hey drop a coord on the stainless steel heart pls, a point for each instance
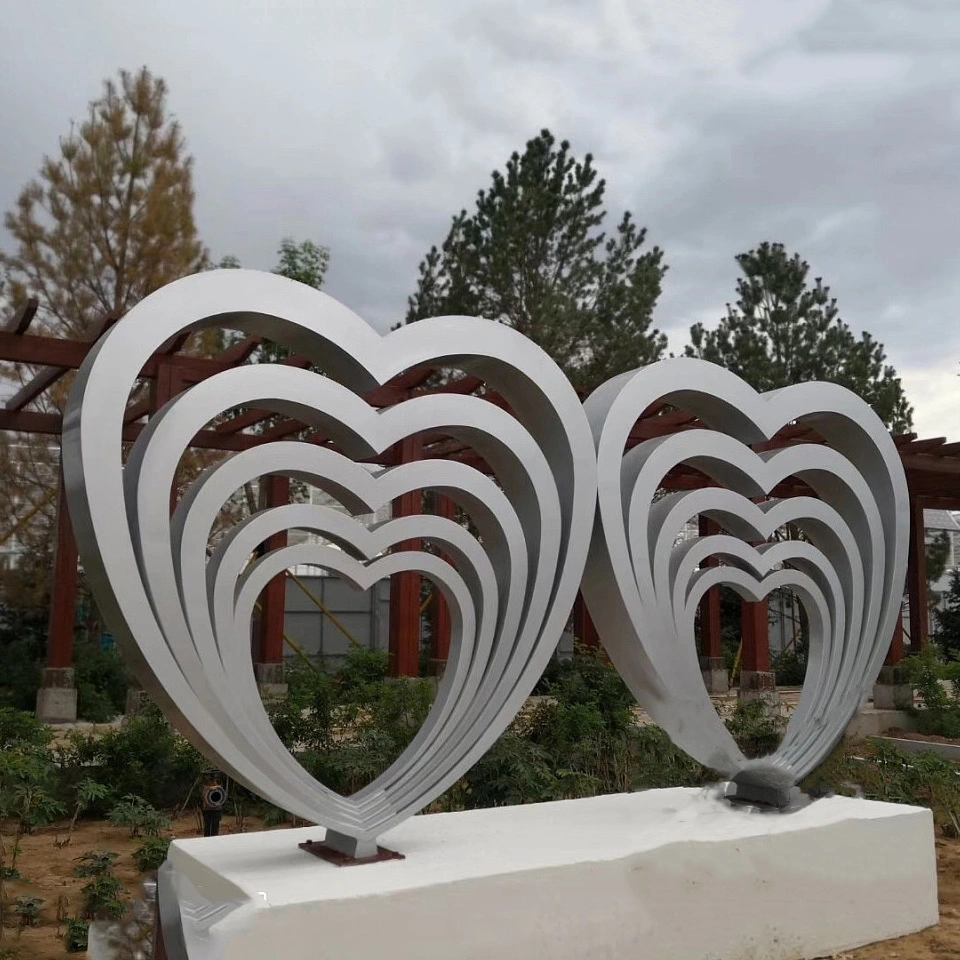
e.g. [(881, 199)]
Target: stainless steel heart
[(183, 620), (642, 586)]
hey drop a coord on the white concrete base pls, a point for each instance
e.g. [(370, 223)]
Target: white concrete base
[(57, 704), (662, 875)]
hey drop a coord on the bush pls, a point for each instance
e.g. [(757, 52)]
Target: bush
[(940, 715), (95, 863), (790, 667), (151, 853), (75, 939), (144, 757), (134, 812), (102, 680), (104, 898), (757, 732)]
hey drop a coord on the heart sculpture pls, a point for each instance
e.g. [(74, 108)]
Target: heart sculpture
[(183, 620), (643, 581)]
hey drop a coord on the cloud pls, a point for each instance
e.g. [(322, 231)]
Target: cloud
[(830, 126)]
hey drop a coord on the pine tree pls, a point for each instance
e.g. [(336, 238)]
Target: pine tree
[(948, 619), (108, 220), (783, 330), (533, 255)]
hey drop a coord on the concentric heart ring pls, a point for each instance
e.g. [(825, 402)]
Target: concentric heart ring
[(183, 619), (642, 586)]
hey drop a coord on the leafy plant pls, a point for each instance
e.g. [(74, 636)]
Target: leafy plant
[(28, 910), (103, 898), (757, 732), (134, 812), (95, 863), (941, 706), (85, 794), (151, 853), (75, 938)]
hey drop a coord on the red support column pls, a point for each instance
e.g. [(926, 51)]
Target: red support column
[(895, 653), (405, 587), (893, 689), (584, 630), (711, 654), (445, 507), (756, 677), (269, 662), (917, 578), (57, 696)]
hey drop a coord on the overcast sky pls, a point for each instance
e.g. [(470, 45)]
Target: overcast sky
[(830, 125)]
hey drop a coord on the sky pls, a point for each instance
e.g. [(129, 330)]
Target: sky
[(832, 126)]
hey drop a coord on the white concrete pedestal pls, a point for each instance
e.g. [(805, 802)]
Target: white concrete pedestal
[(662, 875)]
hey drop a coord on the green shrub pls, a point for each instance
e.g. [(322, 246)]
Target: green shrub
[(941, 707), (790, 667), (27, 909), (757, 732), (75, 938), (95, 863), (102, 680), (144, 756), (104, 898), (134, 812), (151, 853)]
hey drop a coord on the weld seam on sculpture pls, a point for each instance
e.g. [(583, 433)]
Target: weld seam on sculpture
[(181, 621)]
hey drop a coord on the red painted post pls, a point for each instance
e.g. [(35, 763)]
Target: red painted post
[(272, 606), (445, 507), (584, 629), (405, 587), (895, 653), (63, 596), (710, 648), (57, 696), (755, 630), (917, 578)]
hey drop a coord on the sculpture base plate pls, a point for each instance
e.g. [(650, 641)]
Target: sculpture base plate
[(340, 859), (663, 874)]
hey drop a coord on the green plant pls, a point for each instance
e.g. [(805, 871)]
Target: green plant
[(85, 794), (28, 910), (102, 680), (757, 732), (134, 812), (790, 667), (103, 898), (151, 853), (95, 863), (75, 938), (145, 757), (941, 706)]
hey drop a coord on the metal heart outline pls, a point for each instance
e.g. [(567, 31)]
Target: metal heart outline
[(357, 357), (870, 493)]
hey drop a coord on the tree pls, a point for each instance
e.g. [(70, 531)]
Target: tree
[(948, 619), (533, 255), (108, 220), (111, 219), (783, 330)]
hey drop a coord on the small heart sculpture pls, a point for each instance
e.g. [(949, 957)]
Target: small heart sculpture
[(642, 586), (183, 621)]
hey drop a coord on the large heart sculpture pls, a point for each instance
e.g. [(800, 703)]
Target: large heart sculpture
[(183, 620), (643, 582)]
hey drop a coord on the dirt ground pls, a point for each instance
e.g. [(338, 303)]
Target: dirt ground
[(49, 870)]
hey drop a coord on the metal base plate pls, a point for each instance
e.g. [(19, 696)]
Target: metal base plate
[(339, 859)]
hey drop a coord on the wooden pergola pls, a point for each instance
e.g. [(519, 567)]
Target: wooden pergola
[(932, 467)]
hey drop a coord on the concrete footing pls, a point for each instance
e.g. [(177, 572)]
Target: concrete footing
[(715, 676), (675, 873), (270, 681), (57, 696), (759, 685), (893, 690)]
